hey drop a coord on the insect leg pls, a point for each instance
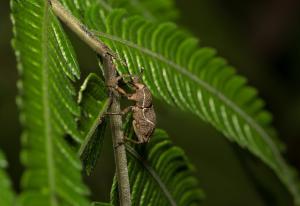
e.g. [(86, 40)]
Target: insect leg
[(118, 89), (126, 139), (123, 112), (121, 91), (135, 128), (119, 144), (132, 141)]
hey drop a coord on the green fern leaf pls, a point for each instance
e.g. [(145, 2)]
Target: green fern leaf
[(160, 174), (93, 101), (193, 79), (6, 195), (152, 10), (47, 63)]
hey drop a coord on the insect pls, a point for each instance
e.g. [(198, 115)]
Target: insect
[(144, 117)]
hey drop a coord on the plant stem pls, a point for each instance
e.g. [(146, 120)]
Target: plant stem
[(80, 29), (110, 74), (117, 134)]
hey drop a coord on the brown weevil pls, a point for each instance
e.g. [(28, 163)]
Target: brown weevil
[(144, 117)]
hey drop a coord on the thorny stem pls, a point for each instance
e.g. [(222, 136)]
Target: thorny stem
[(110, 74)]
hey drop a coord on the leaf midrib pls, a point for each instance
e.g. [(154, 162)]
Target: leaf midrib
[(214, 92), (153, 174), (46, 108)]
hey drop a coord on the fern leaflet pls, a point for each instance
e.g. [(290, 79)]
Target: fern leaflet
[(152, 10), (7, 195)]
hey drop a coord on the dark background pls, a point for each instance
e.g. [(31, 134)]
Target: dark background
[(261, 38)]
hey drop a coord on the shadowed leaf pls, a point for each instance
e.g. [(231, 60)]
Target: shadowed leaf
[(93, 101)]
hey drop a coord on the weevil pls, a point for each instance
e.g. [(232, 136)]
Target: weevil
[(144, 117)]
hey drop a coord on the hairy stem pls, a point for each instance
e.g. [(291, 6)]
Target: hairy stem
[(110, 74)]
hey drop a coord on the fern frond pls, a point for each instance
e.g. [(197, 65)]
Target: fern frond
[(93, 101), (194, 79), (7, 194), (47, 63), (160, 174)]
